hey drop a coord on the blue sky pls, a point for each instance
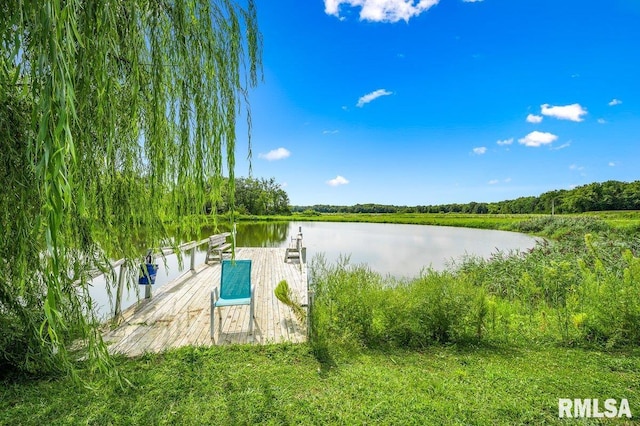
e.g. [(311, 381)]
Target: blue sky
[(431, 102)]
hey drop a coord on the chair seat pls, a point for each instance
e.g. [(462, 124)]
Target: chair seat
[(232, 302)]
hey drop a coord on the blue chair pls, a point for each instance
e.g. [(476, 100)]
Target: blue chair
[(235, 289)]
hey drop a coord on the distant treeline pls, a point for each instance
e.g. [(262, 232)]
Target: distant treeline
[(610, 195), (254, 197)]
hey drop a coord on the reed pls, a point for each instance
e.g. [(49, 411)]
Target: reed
[(581, 289), (284, 294)]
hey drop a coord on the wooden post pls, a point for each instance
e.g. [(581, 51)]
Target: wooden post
[(310, 300), (149, 258), (193, 258), (299, 239), (147, 291), (302, 251), (118, 308)]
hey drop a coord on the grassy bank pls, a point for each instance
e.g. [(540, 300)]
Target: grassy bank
[(582, 288), (503, 222), (485, 342), (506, 222), (285, 384)]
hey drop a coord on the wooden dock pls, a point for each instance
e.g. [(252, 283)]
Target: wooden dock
[(178, 313)]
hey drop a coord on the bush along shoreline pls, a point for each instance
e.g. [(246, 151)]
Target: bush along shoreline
[(581, 288)]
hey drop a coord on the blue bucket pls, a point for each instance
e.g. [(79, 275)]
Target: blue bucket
[(149, 274)]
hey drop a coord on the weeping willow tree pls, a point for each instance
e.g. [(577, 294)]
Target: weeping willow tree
[(115, 115)]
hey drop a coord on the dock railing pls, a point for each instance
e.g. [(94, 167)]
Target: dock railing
[(125, 264), (122, 264), (296, 250)]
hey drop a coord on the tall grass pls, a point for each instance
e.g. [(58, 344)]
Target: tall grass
[(356, 307), (582, 288)]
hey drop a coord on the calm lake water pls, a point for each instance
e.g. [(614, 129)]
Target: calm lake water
[(404, 250), (398, 250)]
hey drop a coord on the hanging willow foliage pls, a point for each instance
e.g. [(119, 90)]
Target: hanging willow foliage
[(115, 115)]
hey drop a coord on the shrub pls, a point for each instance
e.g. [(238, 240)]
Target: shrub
[(344, 301), (569, 291), (609, 299), (433, 308), (559, 226), (355, 307)]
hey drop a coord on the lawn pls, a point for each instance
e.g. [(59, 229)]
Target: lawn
[(285, 384)]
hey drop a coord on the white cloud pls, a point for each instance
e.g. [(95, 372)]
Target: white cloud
[(480, 150), (471, 1), (337, 181), (496, 181), (602, 121), (612, 164), (330, 132), (381, 10), (577, 168), (532, 118), (332, 7), (563, 146), (372, 96), (505, 142), (536, 139), (573, 112), (615, 102), (276, 154)]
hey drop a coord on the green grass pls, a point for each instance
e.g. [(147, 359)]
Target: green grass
[(582, 288), (619, 219), (483, 343), (285, 384), (444, 219), (507, 222)]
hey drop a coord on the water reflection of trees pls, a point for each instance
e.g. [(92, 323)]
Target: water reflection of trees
[(256, 234), (266, 234)]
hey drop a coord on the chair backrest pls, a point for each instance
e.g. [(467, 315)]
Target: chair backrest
[(217, 240), (235, 280)]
